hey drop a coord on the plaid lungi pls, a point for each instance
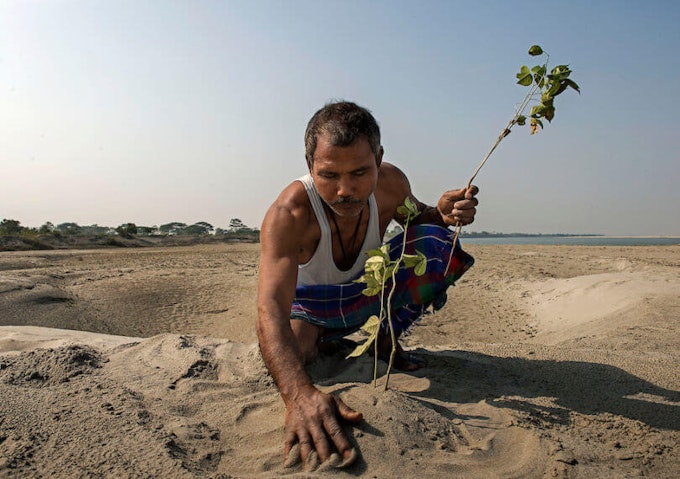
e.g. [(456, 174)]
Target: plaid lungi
[(342, 308)]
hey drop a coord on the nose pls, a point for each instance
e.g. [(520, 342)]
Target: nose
[(345, 187)]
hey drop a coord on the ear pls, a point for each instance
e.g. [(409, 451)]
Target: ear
[(379, 156), (309, 164)]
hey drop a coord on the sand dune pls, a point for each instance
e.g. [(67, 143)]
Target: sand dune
[(546, 362)]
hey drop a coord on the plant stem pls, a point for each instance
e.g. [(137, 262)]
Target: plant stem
[(389, 304), (506, 131), (375, 344)]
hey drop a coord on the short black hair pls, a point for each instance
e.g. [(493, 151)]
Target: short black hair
[(344, 122)]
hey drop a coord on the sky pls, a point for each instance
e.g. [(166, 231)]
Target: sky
[(153, 111)]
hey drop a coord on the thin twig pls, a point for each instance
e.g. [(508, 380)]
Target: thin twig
[(506, 131)]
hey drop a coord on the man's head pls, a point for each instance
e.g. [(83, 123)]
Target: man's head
[(342, 123)]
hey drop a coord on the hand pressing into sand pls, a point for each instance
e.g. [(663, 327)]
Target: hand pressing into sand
[(311, 419)]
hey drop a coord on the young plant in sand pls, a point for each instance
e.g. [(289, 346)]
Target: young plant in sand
[(543, 88), (378, 270)]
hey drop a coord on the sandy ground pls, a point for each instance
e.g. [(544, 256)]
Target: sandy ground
[(547, 361)]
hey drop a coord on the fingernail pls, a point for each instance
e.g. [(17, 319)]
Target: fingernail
[(351, 456), (331, 463)]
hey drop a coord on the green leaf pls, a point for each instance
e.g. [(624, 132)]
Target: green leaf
[(537, 110), (371, 291), (421, 267), (549, 113), (554, 88), (410, 260), (361, 348), (571, 84), (524, 77), (521, 120), (374, 263), (403, 211), (412, 208), (371, 325), (535, 50)]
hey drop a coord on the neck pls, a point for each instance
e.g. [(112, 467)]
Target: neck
[(347, 250)]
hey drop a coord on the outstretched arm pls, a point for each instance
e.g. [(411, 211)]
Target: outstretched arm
[(312, 417)]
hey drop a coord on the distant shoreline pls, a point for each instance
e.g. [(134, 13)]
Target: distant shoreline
[(49, 242), (566, 240)]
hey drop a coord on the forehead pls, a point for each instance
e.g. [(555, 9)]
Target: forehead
[(355, 155)]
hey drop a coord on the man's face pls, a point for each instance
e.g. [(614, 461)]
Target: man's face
[(345, 176)]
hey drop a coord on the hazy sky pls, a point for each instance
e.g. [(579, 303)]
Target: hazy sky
[(156, 111)]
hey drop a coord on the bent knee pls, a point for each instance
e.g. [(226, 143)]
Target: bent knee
[(307, 337)]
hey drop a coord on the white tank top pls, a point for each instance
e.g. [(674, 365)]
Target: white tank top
[(321, 269)]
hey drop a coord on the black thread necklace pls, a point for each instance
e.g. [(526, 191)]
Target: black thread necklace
[(354, 235)]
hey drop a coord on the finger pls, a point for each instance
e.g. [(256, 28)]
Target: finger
[(306, 448), (349, 459), (292, 457), (471, 191), (339, 438), (465, 204), (312, 462), (332, 462), (347, 413), (290, 444), (320, 444)]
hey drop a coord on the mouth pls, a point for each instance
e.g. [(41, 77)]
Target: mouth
[(347, 208)]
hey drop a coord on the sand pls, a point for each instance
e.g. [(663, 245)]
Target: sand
[(547, 361)]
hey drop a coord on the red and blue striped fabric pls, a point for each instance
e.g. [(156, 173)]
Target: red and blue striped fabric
[(342, 308)]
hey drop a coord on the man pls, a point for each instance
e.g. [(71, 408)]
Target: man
[(315, 234)]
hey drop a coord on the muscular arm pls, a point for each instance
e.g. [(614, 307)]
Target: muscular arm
[(311, 416), (276, 291)]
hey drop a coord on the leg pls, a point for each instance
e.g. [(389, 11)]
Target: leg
[(307, 336)]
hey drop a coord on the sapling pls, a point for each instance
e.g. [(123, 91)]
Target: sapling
[(543, 88), (379, 268)]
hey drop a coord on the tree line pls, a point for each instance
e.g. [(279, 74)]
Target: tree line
[(236, 229)]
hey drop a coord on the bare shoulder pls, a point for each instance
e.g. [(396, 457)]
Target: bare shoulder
[(393, 188), (286, 225), (393, 185), (290, 209)]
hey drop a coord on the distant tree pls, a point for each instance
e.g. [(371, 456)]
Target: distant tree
[(10, 227), (198, 229), (47, 228), (174, 228), (69, 228), (147, 230), (206, 225), (235, 224), (219, 231), (95, 230), (126, 230)]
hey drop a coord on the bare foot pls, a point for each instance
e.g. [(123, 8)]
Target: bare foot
[(403, 361)]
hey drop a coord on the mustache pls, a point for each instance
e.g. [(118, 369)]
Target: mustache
[(346, 200)]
